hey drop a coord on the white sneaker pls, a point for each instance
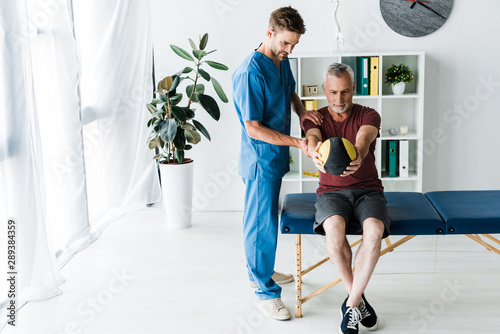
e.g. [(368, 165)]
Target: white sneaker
[(274, 308), (279, 278)]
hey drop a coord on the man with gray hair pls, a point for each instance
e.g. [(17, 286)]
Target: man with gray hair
[(356, 193)]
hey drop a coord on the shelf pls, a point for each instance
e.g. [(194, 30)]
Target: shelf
[(403, 96), (309, 178), (298, 176), (411, 177), (395, 111), (309, 98), (367, 97), (409, 136), (292, 176)]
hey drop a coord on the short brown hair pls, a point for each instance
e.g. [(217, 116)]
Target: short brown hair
[(287, 18)]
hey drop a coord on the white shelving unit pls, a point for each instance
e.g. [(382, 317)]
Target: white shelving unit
[(395, 111)]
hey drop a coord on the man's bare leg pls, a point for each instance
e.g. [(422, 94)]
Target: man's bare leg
[(339, 251), (366, 258)]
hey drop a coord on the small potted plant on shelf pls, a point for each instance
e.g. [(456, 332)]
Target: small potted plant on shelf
[(174, 129), (397, 77)]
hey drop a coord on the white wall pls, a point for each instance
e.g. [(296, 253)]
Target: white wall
[(461, 110)]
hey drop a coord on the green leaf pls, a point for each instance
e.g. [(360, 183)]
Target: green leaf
[(187, 70), (178, 113), (156, 125), (189, 112), (188, 147), (209, 52), (150, 122), (188, 126), (181, 52), (163, 98), (204, 74), (152, 136), (179, 155), (151, 108), (199, 54), (208, 103), (192, 135), (168, 129), (155, 102), (157, 113), (217, 65), (202, 129), (203, 42), (176, 98), (180, 139), (192, 44), (219, 90), (200, 89), (175, 82)]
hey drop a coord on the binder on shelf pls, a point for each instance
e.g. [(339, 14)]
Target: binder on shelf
[(403, 158), (311, 104), (363, 80), (392, 158), (374, 75)]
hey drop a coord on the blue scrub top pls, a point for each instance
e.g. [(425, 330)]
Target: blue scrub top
[(262, 93)]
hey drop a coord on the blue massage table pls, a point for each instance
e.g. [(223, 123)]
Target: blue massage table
[(434, 213)]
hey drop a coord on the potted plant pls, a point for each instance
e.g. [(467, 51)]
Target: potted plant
[(174, 128), (397, 77)]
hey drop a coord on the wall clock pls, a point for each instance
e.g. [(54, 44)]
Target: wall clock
[(415, 18)]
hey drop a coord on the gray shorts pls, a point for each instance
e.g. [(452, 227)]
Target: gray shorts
[(355, 206)]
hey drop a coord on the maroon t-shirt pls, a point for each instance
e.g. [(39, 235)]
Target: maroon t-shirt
[(366, 177)]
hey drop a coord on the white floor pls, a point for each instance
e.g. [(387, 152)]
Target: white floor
[(140, 277)]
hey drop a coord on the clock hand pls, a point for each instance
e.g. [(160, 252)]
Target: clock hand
[(432, 10), (415, 2)]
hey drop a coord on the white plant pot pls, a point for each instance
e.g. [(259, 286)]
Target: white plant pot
[(177, 193), (399, 88)]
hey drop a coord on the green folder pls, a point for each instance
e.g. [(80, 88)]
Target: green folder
[(362, 75), (392, 158)]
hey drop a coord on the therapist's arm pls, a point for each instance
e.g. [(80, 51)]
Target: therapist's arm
[(257, 131), (298, 107)]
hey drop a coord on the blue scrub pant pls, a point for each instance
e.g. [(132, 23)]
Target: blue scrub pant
[(260, 234)]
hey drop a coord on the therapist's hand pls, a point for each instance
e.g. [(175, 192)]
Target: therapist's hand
[(312, 115), (302, 145), (315, 156)]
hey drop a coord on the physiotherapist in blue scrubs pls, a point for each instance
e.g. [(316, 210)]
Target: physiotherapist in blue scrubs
[(264, 95)]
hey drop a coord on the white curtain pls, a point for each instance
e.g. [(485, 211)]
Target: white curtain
[(73, 154), (115, 41), (56, 82), (22, 188)]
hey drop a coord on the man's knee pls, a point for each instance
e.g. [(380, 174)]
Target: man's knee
[(335, 229), (373, 230), (334, 225)]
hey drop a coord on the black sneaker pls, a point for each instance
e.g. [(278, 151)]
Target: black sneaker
[(368, 317), (350, 319)]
